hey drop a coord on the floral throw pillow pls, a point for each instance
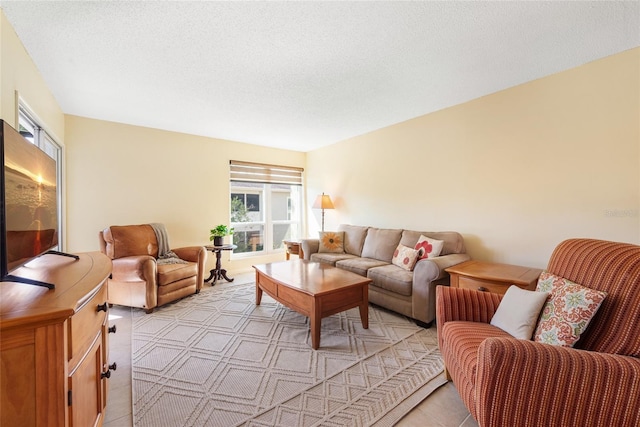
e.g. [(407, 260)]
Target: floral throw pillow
[(428, 248), (567, 312), (331, 242), (405, 257)]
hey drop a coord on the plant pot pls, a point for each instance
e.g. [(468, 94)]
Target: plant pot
[(218, 240)]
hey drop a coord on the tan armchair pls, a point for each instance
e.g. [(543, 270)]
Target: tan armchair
[(505, 381), (137, 279)]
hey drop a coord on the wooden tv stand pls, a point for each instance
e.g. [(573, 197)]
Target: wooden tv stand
[(54, 343)]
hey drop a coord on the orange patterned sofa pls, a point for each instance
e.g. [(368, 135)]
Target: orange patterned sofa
[(504, 381)]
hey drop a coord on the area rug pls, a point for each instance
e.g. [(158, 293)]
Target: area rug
[(217, 359)]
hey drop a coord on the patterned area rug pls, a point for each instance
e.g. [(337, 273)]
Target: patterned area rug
[(217, 359)]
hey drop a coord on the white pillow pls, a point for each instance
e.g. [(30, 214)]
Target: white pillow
[(518, 312), (428, 247)]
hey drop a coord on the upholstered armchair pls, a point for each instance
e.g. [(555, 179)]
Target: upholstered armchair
[(138, 278), (505, 381)]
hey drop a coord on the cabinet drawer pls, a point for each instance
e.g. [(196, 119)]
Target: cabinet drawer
[(268, 285), (482, 285), (298, 301), (85, 324)]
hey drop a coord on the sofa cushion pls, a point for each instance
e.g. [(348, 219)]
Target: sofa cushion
[(405, 257), (354, 236), (392, 278), (518, 312), (453, 241), (380, 243), (169, 273), (613, 268), (329, 258), (428, 247), (331, 242), (359, 265), (568, 312)]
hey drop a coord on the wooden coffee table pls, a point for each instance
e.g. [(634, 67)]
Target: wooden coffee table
[(313, 289)]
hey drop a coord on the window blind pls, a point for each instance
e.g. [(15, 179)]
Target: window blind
[(263, 173)]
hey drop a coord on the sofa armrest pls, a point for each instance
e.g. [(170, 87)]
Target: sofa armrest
[(309, 246), (430, 269), (425, 274), (464, 304), (134, 269), (544, 385), (197, 254), (447, 261)]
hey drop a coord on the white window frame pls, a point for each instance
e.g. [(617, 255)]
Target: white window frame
[(266, 221)]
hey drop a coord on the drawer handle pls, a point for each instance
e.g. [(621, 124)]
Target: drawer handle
[(106, 374), (482, 289), (102, 307), (112, 329), (113, 366)]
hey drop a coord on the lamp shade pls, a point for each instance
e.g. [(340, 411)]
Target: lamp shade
[(323, 201)]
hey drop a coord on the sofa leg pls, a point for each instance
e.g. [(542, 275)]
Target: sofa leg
[(447, 375), (423, 324)]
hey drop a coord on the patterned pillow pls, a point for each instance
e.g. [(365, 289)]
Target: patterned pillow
[(405, 257), (567, 312), (331, 242), (428, 248)]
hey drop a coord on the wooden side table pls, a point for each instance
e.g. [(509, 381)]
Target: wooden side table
[(219, 273), (492, 277), (293, 247)]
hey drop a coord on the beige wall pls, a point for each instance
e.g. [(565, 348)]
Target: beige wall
[(515, 172), (120, 174), (18, 74)]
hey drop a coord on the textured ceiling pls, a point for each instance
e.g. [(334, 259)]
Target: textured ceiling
[(301, 75)]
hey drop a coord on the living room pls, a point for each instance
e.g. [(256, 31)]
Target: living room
[(515, 171)]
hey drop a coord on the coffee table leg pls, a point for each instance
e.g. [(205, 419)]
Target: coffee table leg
[(258, 290), (364, 307), (364, 315), (315, 321)]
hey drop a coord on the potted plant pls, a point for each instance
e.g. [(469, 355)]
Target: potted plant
[(217, 234)]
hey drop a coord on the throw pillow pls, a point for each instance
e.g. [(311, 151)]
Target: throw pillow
[(518, 312), (331, 242), (428, 248), (568, 312), (405, 257)]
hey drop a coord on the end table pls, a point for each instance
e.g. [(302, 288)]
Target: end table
[(293, 247), (492, 277), (219, 272)]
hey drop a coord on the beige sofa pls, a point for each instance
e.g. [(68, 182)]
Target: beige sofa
[(369, 251)]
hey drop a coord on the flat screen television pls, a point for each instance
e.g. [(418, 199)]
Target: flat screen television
[(28, 204)]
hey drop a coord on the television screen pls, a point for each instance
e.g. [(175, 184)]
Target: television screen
[(29, 203)]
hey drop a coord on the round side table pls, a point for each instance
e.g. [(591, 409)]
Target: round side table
[(219, 273)]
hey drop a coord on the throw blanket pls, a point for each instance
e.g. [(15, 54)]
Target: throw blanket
[(165, 255)]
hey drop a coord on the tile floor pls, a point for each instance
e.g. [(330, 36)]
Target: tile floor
[(443, 408)]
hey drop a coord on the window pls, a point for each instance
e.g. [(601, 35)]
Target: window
[(32, 131), (249, 201), (266, 206)]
